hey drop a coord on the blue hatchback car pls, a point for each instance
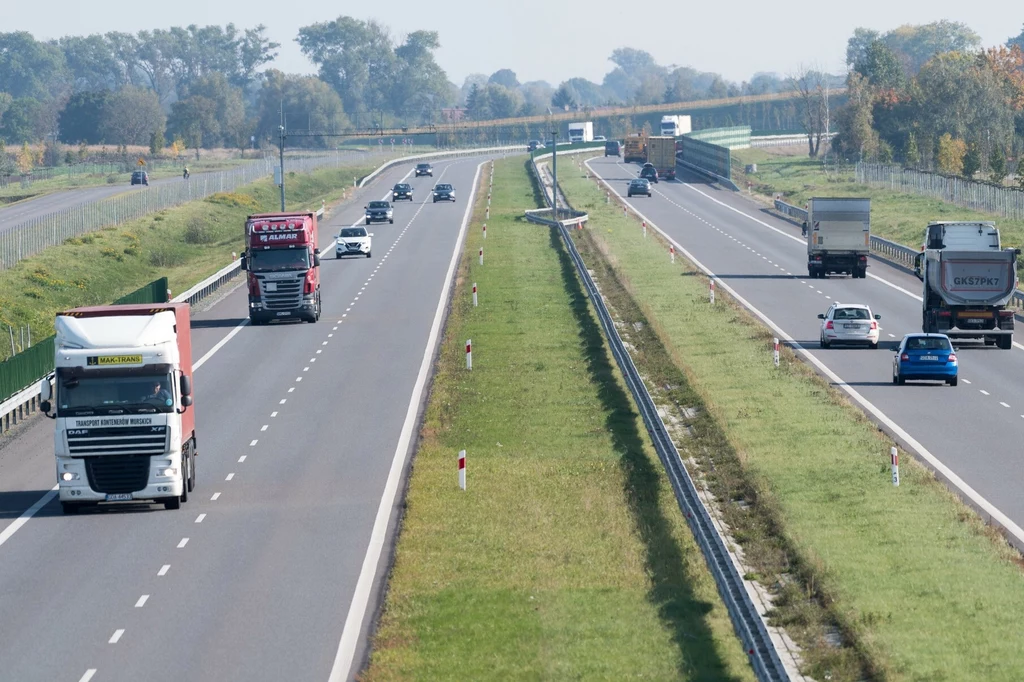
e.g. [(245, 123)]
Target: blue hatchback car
[(925, 357)]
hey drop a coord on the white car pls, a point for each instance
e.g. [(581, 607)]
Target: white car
[(600, 138), (353, 241), (850, 323)]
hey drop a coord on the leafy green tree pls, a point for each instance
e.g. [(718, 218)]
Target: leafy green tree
[(27, 119), (911, 154), (881, 66), (565, 97), (505, 78), (81, 119), (421, 86), (919, 44), (950, 157), (1018, 40), (131, 115), (92, 63), (32, 69), (971, 162), (157, 142), (215, 108), (997, 164), (308, 103), (857, 45)]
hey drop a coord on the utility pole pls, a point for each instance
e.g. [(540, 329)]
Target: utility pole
[(554, 172), (280, 147)]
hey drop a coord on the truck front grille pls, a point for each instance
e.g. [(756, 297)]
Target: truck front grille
[(132, 440), (288, 295), (117, 473)]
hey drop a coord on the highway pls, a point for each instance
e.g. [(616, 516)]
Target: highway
[(972, 429), (19, 214), (271, 570)]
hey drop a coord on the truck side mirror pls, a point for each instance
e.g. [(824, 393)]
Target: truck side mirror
[(45, 390), (45, 406), (316, 260), (242, 263), (186, 401), (185, 385)]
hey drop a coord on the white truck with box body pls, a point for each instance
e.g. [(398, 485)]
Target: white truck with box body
[(122, 400), (581, 132), (969, 280), (838, 236), (675, 126)]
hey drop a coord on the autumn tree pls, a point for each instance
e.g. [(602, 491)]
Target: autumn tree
[(950, 157)]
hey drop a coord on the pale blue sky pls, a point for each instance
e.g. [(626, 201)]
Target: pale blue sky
[(735, 38)]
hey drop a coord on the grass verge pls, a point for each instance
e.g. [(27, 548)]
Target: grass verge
[(872, 581), (567, 557), (186, 244), (898, 216)]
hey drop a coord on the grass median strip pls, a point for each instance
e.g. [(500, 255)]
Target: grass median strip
[(567, 556), (872, 581), (186, 244)]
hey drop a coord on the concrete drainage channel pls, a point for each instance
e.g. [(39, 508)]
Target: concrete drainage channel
[(24, 404), (746, 618)]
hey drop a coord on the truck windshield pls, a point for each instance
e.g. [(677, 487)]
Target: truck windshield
[(135, 394), (275, 260)]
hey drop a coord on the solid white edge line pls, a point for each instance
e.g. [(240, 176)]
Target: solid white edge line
[(17, 523), (361, 597), (88, 675), (957, 482)]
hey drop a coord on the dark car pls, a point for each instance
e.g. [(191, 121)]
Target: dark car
[(534, 145), (140, 178), (639, 186), (612, 148), (444, 192), (649, 172), (424, 169), (402, 190), (378, 212)]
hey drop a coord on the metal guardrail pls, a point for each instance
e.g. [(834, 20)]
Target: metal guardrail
[(890, 250), (783, 140), (750, 627)]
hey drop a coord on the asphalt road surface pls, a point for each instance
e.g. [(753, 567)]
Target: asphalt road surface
[(303, 432), (974, 429)]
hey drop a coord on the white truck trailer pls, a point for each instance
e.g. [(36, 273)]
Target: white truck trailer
[(581, 131), (838, 236), (675, 125)]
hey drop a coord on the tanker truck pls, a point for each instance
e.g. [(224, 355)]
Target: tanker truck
[(968, 281)]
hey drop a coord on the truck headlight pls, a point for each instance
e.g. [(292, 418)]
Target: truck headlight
[(169, 472), (69, 476)]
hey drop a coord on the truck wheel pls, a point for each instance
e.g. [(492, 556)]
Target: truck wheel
[(367, 254), (186, 474), (172, 503), (69, 508), (392, 221), (1005, 342), (192, 469)]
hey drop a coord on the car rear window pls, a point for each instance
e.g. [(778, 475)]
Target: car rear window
[(927, 343), (851, 314)]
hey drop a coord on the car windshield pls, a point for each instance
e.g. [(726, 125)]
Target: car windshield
[(275, 260), (353, 232), (851, 314), (927, 343), (402, 188), (379, 204), (112, 394), (423, 166), (443, 188)]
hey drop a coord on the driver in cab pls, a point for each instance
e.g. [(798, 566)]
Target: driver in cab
[(159, 394)]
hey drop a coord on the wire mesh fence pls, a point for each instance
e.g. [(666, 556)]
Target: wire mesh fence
[(1003, 201), (54, 228)]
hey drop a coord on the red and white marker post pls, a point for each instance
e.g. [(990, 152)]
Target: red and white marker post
[(462, 469), (644, 223), (481, 255), (775, 353), (474, 294), (672, 253), (894, 457), (485, 230), (469, 353), (711, 291)]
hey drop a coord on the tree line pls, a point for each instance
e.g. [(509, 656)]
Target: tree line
[(930, 97)]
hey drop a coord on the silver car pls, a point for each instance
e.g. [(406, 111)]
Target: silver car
[(850, 323)]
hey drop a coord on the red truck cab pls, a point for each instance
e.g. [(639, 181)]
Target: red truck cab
[(282, 260)]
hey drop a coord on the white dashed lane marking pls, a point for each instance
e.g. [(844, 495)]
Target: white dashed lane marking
[(184, 541), (163, 570), (142, 601), (116, 637)]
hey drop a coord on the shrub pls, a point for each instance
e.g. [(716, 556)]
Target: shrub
[(166, 256), (197, 231)]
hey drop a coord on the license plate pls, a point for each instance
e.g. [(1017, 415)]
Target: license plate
[(284, 313), (119, 497), (930, 358), (271, 286), (975, 320), (851, 326)]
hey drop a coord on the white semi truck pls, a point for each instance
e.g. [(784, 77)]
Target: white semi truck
[(969, 280), (838, 236), (675, 125), (581, 131), (122, 400)]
